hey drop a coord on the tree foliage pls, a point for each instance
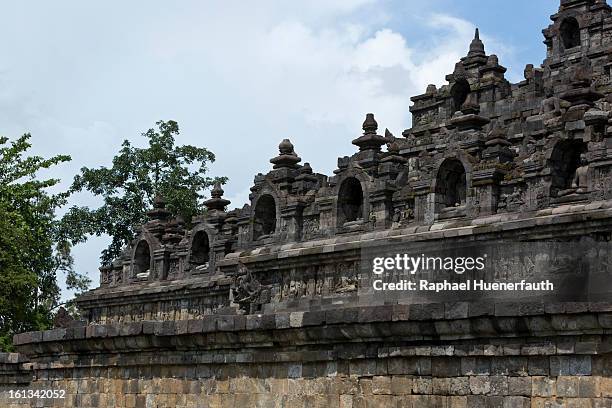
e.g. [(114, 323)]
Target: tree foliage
[(129, 186), (34, 244)]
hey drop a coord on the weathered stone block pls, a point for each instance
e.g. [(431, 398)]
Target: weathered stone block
[(446, 367), (375, 314), (401, 312), (580, 365), (401, 385), (589, 387), (313, 318), (516, 402), (296, 319), (181, 327), (381, 385), (195, 326), (440, 386), (456, 310), (519, 386), (606, 387), (543, 387), (507, 309), (475, 366), (459, 386), (209, 324), (457, 402), (539, 365), (422, 385), (433, 311), (225, 323), (477, 401), (477, 309), (567, 386), (480, 385), (499, 385)]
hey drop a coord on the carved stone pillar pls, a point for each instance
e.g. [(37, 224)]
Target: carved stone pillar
[(160, 265), (537, 194), (291, 222), (126, 268), (244, 231), (327, 218), (486, 189), (424, 202), (380, 208), (218, 251)]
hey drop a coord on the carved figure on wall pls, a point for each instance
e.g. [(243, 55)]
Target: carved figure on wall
[(117, 276), (581, 179), (248, 292), (550, 110), (397, 215), (403, 214), (346, 281), (408, 214), (346, 284), (311, 226), (105, 276), (173, 268)]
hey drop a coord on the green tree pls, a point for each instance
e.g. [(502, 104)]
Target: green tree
[(34, 244), (137, 175)]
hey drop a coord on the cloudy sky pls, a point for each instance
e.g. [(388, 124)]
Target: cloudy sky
[(238, 76)]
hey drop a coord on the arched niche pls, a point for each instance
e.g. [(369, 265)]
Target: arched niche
[(564, 161), (142, 260), (200, 251), (570, 33), (350, 201), (451, 184), (264, 222), (459, 92)]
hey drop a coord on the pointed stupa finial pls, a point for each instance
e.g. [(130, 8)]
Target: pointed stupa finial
[(217, 191), (370, 140), (476, 47), (286, 147), (159, 201), (159, 211), (287, 158), (370, 126), (216, 202)]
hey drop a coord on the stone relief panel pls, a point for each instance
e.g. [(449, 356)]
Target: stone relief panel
[(310, 227), (317, 280), (425, 118), (174, 309), (603, 184)]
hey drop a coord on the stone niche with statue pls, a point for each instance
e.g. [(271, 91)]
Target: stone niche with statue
[(270, 304)]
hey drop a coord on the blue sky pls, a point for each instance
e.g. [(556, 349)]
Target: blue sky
[(238, 76)]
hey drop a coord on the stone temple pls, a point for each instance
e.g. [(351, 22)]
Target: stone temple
[(271, 304)]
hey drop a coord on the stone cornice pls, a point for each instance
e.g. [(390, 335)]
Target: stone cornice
[(389, 324)]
